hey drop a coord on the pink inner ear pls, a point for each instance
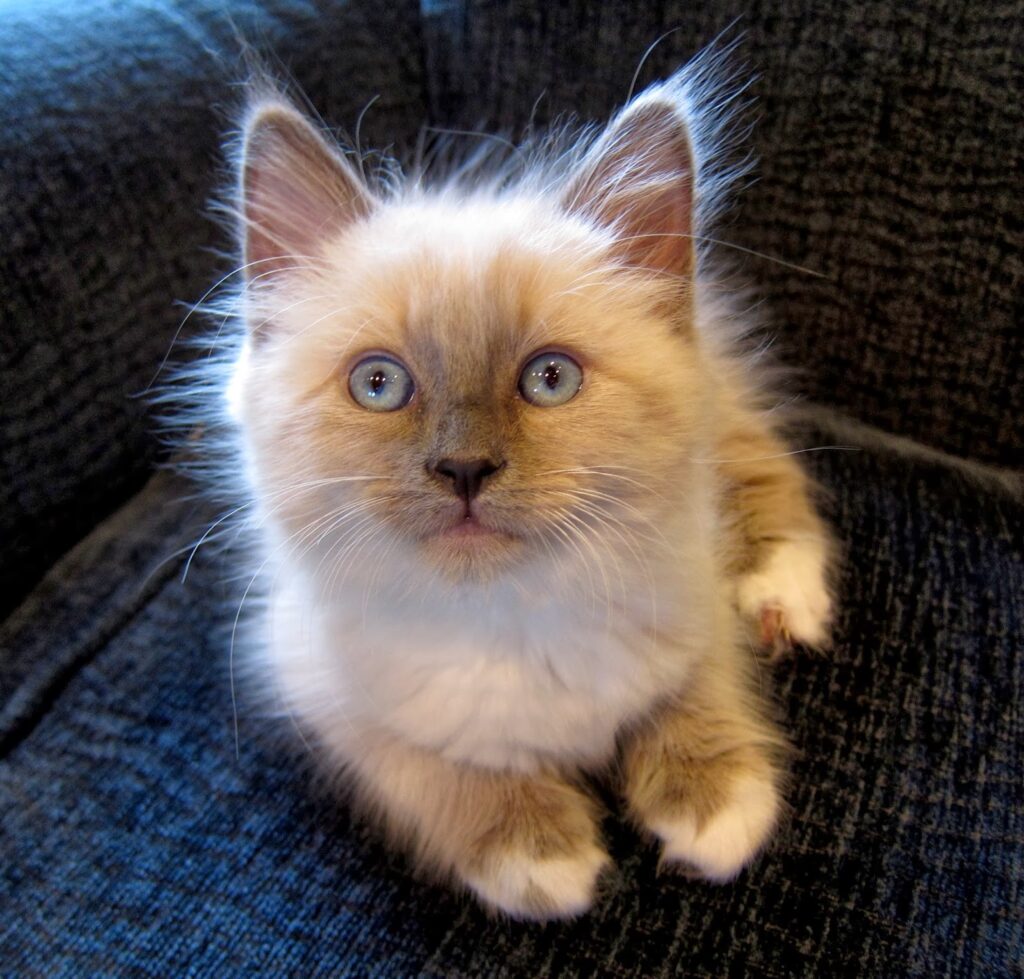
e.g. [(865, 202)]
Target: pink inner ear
[(296, 191), (638, 180), (282, 223)]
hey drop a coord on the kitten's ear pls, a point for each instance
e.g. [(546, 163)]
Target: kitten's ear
[(296, 190), (638, 180)]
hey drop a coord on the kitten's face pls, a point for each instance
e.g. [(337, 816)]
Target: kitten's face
[(466, 474)]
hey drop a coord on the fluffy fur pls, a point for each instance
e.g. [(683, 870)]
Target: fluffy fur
[(464, 664)]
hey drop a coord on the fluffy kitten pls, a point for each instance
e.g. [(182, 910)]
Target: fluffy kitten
[(522, 507)]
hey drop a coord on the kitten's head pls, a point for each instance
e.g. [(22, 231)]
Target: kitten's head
[(470, 380)]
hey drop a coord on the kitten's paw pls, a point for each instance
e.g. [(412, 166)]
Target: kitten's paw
[(720, 846), (788, 597), (540, 888)]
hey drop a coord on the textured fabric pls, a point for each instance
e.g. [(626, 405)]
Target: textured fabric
[(891, 146), (111, 119), (134, 841)]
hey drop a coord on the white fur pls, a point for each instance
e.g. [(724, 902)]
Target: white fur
[(793, 582), (523, 886), (234, 391), (731, 838), (510, 676)]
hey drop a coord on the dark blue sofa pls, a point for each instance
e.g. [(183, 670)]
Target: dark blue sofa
[(137, 838)]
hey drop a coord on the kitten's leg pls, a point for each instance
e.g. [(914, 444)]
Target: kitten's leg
[(784, 554), (704, 777), (526, 845)]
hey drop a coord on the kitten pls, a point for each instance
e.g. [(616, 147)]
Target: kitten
[(522, 505)]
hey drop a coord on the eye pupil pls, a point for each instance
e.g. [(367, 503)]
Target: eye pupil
[(377, 381), (552, 373)]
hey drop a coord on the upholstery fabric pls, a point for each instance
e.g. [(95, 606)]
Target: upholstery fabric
[(111, 120), (136, 842)]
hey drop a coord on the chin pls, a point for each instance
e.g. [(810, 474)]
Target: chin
[(470, 552)]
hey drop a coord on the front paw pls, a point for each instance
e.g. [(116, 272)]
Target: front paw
[(719, 846), (538, 888), (787, 597)]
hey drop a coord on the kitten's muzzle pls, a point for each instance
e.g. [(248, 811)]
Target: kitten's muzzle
[(466, 477)]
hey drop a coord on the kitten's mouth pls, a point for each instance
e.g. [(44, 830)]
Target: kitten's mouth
[(469, 528)]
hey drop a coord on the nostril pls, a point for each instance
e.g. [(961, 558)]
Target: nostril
[(467, 475)]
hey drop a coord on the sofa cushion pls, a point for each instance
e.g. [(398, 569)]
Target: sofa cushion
[(139, 838)]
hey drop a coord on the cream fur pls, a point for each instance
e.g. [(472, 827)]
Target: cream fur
[(519, 883), (723, 845)]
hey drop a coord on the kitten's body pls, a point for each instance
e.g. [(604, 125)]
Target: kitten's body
[(464, 655)]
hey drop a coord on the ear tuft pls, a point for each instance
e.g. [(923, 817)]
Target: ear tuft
[(638, 180), (296, 190)]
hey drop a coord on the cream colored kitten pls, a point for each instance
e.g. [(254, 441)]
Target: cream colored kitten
[(522, 509)]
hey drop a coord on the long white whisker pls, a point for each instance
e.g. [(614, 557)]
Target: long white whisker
[(706, 239), (601, 471), (223, 518), (206, 295), (576, 522), (779, 455), (569, 540), (616, 527)]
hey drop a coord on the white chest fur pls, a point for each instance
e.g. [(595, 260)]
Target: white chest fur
[(491, 676)]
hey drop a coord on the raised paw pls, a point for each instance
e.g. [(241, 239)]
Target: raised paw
[(559, 885), (719, 846), (787, 597)]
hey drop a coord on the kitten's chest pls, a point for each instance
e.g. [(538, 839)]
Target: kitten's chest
[(500, 685)]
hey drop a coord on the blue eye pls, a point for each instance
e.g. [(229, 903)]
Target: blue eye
[(550, 380), (380, 383)]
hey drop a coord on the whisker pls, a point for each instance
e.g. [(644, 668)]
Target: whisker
[(569, 540), (294, 488), (580, 528), (232, 311), (707, 239), (601, 471), (635, 512), (780, 455), (200, 303)]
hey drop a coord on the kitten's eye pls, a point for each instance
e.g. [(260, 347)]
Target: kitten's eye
[(380, 383), (550, 380)]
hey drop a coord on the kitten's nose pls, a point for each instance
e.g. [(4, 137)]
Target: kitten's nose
[(467, 475)]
